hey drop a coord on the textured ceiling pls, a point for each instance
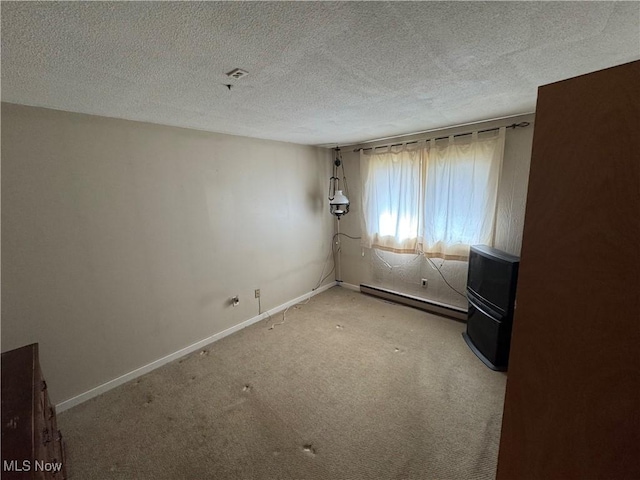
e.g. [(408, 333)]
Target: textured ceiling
[(320, 73)]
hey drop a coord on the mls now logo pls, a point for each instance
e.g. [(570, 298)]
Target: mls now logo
[(25, 466)]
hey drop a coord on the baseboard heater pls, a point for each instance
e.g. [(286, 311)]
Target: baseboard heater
[(416, 302)]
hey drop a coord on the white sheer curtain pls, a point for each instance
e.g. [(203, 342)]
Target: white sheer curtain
[(461, 189), (391, 193), (437, 198)]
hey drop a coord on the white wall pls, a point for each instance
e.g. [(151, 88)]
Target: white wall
[(123, 241), (360, 265)]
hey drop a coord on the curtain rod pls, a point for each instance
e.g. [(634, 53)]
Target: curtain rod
[(513, 125)]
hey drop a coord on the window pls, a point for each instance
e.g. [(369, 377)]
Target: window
[(436, 198), (390, 197)]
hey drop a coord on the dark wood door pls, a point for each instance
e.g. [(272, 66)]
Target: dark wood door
[(572, 405)]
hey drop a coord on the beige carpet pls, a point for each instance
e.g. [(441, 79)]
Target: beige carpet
[(349, 387)]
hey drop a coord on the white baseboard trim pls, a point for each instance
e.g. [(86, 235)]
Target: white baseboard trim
[(349, 286), (94, 392)]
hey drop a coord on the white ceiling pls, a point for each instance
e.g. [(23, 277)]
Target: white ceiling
[(320, 73)]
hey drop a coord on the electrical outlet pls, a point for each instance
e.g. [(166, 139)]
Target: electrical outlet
[(257, 292), (424, 283)]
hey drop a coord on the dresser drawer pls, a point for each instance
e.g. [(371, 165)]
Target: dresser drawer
[(29, 429)]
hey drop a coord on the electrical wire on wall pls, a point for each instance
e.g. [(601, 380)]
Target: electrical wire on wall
[(337, 253), (433, 265), (391, 267), (322, 279), (333, 254), (345, 235), (260, 310), (284, 314)]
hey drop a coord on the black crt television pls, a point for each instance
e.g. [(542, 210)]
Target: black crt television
[(491, 291), (492, 278)]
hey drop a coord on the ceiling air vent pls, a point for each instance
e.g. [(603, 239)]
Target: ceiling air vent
[(237, 73)]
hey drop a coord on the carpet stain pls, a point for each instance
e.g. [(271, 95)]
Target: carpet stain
[(222, 427), (309, 448)]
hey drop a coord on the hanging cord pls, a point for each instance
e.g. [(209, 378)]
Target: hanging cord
[(337, 254), (433, 265), (345, 235), (391, 267), (260, 310), (322, 279), (284, 314), (344, 178), (333, 253), (334, 181)]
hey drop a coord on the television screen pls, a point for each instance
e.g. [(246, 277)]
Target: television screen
[(492, 276)]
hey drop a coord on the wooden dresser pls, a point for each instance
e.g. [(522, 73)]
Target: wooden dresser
[(32, 446), (572, 405)]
